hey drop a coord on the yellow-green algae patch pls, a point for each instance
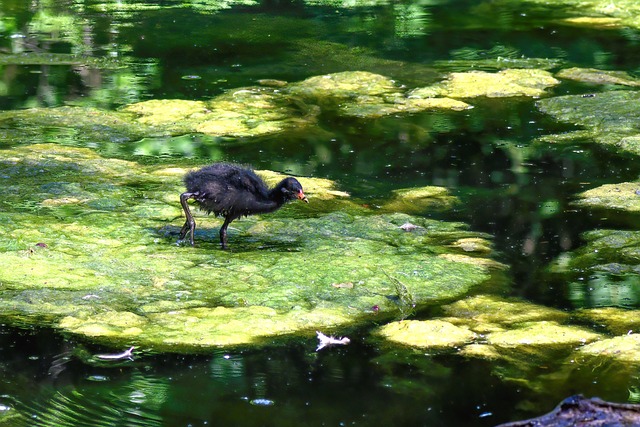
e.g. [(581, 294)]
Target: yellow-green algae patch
[(600, 77), (426, 333), (624, 196), (542, 334), (366, 95), (175, 114), (473, 244), (625, 348), (93, 245), (486, 313), (505, 83), (420, 200), (594, 22), (611, 118), (605, 251), (240, 112), (249, 111), (518, 336), (599, 13), (618, 321), (81, 123), (345, 85)]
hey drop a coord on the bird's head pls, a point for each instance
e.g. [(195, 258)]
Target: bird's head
[(292, 190)]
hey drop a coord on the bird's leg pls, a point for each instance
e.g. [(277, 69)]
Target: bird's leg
[(223, 232), (190, 223)]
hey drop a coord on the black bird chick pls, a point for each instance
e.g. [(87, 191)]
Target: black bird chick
[(232, 191)]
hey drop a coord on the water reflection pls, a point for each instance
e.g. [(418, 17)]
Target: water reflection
[(272, 387)]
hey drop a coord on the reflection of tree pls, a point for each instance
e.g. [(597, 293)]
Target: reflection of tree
[(60, 53)]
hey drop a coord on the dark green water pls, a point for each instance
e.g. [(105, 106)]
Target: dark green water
[(196, 52)]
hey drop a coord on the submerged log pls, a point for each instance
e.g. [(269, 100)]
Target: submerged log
[(578, 411)]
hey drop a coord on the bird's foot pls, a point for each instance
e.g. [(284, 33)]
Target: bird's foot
[(183, 242)]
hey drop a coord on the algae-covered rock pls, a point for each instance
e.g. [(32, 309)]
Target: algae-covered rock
[(168, 113), (419, 200), (613, 251), (242, 112), (600, 77), (505, 83), (366, 95), (542, 334), (426, 333), (345, 85), (599, 13), (485, 313), (373, 107), (625, 348), (73, 123), (609, 117), (92, 249), (618, 321), (624, 196), (614, 109), (597, 22)]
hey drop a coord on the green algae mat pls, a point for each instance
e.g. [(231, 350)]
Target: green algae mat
[(90, 248)]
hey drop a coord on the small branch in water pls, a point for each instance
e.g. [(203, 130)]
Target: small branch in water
[(328, 341), (127, 354)]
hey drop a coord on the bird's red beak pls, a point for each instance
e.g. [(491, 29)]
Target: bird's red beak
[(302, 197)]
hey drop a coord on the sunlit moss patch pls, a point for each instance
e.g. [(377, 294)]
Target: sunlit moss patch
[(485, 313), (599, 77), (420, 199), (617, 320), (367, 95), (491, 327), (242, 112), (542, 334), (426, 333), (594, 22), (93, 245), (625, 348), (624, 196), (73, 123), (610, 118), (505, 83)]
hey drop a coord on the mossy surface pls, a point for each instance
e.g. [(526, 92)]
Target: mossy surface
[(367, 95), (93, 252), (529, 345), (505, 83), (487, 325), (624, 197), (610, 118), (426, 333), (598, 77), (599, 13), (617, 321)]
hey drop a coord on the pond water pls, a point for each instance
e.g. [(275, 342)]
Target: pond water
[(511, 186)]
